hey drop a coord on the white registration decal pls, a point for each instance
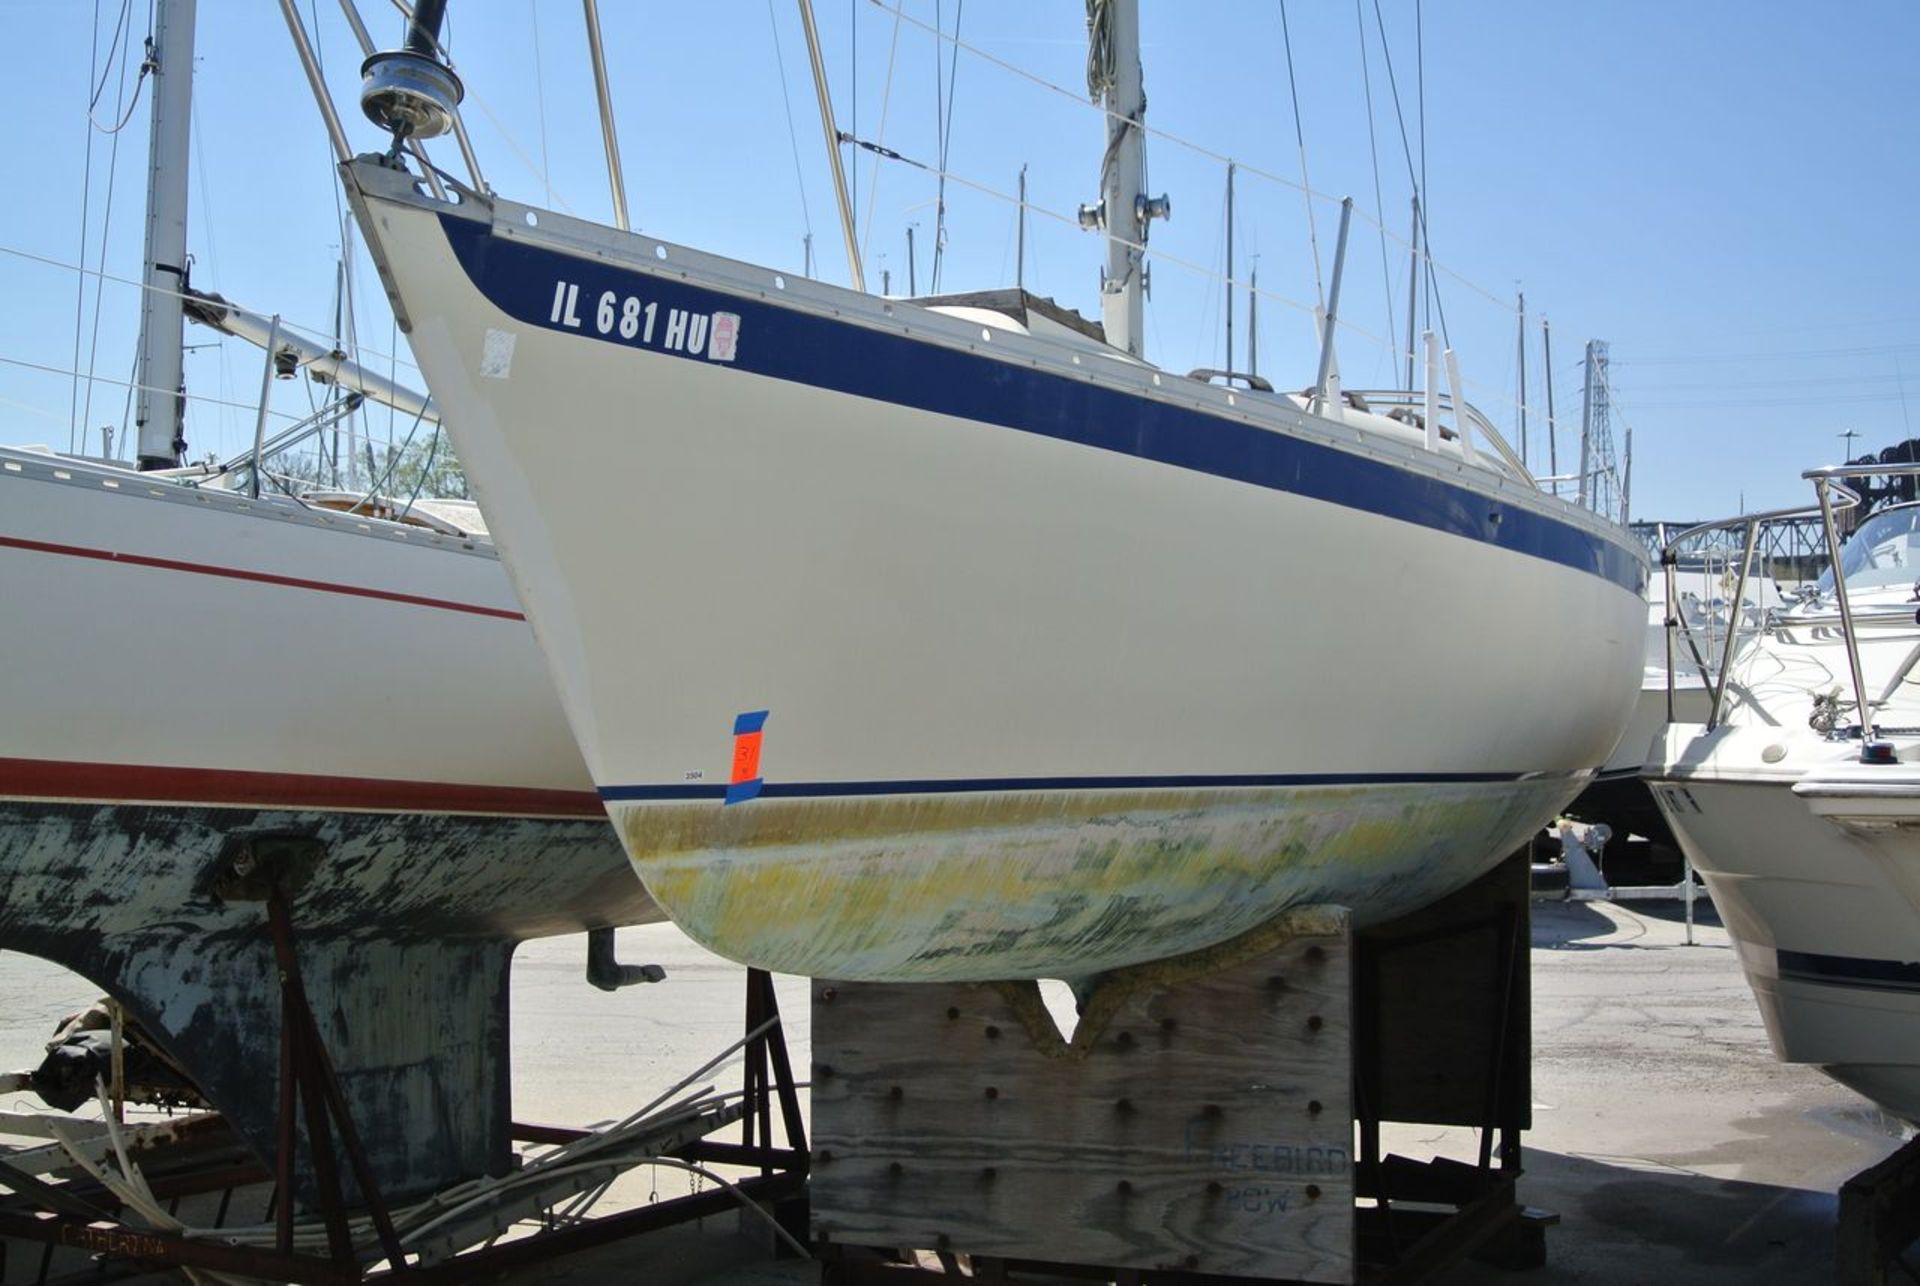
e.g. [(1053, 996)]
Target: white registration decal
[(715, 336)]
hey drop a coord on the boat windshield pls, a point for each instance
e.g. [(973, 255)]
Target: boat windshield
[(1885, 551)]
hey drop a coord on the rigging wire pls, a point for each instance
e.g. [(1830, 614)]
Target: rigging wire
[(207, 222), (134, 387), (1406, 149), (943, 124), (1420, 80), (540, 103), (1491, 395), (312, 332), (1300, 137), (106, 224), (1373, 147), (880, 134), (793, 134), (1150, 131), (80, 283), (346, 327), (853, 76), (1900, 382)]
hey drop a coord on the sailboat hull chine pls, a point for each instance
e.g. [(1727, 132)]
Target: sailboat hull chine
[(901, 646)]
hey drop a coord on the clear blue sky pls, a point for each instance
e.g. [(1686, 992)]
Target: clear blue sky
[(1724, 191)]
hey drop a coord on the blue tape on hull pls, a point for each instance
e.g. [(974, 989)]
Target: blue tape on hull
[(1045, 785)]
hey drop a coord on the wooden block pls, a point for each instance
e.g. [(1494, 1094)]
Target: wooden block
[(1199, 1123), (1443, 997)]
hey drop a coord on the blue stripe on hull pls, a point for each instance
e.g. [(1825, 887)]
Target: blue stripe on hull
[(1850, 971), (829, 353), (1042, 785)]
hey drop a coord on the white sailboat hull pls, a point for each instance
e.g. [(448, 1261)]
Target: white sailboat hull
[(189, 673), (902, 648), (172, 645)]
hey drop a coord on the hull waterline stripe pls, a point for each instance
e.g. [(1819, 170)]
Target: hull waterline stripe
[(1849, 971), (1043, 785), (844, 357), (264, 578), (147, 784)]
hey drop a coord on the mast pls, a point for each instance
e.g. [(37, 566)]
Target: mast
[(1020, 254), (1521, 332), (1413, 283), (1553, 442), (1586, 421), (827, 127), (161, 379), (615, 179), (1229, 272), (1626, 479), (1253, 318), (1125, 210)]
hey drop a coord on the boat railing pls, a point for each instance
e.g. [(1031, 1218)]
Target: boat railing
[(1832, 493), (1678, 629), (1831, 497), (1469, 422)]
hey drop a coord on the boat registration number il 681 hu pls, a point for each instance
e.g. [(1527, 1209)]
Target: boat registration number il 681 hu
[(713, 335)]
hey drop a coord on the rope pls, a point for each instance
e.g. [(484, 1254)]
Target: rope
[(146, 67)]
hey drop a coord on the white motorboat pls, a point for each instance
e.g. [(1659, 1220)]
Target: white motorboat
[(1798, 801), (1672, 691), (911, 640)]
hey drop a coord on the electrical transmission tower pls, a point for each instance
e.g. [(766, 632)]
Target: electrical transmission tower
[(1601, 486)]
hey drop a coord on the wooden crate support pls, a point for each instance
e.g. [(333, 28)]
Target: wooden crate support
[(1879, 1220), (1199, 1120)]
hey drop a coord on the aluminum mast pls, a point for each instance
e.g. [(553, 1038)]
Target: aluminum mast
[(161, 379), (1125, 210)]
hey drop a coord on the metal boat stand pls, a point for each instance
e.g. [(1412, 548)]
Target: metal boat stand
[(84, 1216), (1200, 1123)]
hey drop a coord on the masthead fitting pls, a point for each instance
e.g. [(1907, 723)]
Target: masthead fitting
[(409, 95)]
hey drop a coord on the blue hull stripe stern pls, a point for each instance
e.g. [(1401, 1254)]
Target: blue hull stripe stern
[(1850, 971), (827, 353)]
